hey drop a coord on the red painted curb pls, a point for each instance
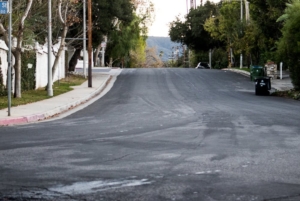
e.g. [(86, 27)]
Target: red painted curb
[(11, 121)]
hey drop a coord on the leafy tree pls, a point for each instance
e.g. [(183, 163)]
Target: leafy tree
[(114, 19), (227, 27), (138, 55), (264, 15), (240, 36), (289, 44), (178, 30), (191, 31), (122, 42), (108, 16), (129, 36), (104, 14)]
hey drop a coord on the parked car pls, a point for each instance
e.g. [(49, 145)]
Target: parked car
[(203, 65)]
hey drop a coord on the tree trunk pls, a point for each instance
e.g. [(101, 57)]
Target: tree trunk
[(56, 61), (74, 60), (17, 67), (60, 50), (110, 62), (96, 56)]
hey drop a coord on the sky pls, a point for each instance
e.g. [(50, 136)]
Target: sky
[(165, 12)]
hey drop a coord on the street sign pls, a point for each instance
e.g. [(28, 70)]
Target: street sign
[(4, 7), (103, 44)]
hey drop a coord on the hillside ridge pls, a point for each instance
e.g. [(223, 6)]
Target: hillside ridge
[(162, 44)]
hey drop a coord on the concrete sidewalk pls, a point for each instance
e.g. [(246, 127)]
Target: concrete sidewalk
[(277, 84), (48, 108)]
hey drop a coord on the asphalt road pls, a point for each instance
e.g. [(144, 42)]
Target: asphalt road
[(160, 134)]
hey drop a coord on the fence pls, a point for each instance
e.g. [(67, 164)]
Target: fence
[(41, 71)]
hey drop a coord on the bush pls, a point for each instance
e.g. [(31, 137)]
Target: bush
[(28, 74), (289, 44), (3, 89), (219, 59)]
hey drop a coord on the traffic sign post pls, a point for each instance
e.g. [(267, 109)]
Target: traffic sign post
[(9, 59), (6, 8)]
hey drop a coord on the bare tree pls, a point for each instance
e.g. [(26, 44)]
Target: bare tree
[(19, 35), (152, 58), (68, 15)]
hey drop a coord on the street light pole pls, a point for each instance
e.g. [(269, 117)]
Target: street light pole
[(49, 88), (9, 59), (90, 43)]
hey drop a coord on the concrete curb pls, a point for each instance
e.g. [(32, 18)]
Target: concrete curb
[(238, 71), (275, 84), (51, 113)]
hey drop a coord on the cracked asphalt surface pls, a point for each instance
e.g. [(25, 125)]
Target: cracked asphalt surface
[(160, 134)]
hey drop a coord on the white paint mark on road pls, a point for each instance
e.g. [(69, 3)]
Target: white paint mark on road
[(200, 173), (208, 172), (94, 186)]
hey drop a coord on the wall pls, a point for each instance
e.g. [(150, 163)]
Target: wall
[(3, 60), (42, 64)]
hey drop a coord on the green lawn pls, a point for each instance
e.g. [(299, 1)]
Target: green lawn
[(63, 86)]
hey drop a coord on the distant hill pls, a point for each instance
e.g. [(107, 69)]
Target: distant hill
[(162, 44)]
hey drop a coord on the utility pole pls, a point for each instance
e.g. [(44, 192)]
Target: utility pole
[(90, 43), (187, 6), (241, 56), (193, 4), (49, 88), (84, 38)]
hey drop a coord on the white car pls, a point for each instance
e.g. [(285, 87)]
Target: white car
[(203, 65)]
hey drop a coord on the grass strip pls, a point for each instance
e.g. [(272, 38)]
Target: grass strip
[(244, 69), (59, 87)]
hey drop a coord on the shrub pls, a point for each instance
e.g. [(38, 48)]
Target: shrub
[(28, 74)]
